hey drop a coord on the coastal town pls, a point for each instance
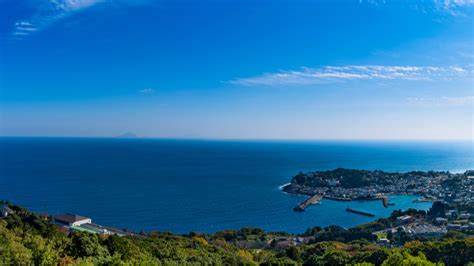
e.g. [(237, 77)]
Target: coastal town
[(348, 184), (452, 195)]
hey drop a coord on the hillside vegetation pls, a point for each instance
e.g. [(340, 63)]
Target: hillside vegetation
[(28, 239)]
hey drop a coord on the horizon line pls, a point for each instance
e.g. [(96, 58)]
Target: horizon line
[(239, 139)]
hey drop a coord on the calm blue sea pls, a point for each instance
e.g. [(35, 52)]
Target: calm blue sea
[(203, 186)]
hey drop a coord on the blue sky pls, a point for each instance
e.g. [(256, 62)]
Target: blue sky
[(238, 69)]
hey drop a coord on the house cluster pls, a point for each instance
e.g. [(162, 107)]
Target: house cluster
[(454, 220), (423, 229), (430, 226), (417, 227)]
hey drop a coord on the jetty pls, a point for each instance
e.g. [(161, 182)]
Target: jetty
[(385, 202), (315, 199), (360, 212), (421, 200), (384, 199)]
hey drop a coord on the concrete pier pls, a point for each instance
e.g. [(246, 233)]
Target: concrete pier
[(315, 199), (360, 212)]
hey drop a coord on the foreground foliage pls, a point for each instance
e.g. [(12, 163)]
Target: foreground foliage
[(26, 238)]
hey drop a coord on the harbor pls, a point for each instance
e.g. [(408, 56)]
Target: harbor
[(316, 199)]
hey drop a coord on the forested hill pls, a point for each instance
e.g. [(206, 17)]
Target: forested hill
[(353, 178), (26, 238)]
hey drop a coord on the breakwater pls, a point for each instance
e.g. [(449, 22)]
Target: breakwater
[(360, 212), (385, 202), (315, 199), (421, 200), (384, 199)]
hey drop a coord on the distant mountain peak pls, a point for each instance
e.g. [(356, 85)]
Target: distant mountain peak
[(127, 135)]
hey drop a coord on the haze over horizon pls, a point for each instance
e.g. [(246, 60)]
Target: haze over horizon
[(350, 69)]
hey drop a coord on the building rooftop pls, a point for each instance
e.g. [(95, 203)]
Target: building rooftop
[(6, 208), (69, 218)]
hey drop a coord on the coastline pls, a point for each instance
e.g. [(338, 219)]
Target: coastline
[(283, 186)]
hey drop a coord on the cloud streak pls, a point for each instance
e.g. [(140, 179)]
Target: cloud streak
[(331, 74), (47, 14)]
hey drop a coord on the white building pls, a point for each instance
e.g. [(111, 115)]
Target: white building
[(72, 219), (441, 220), (5, 211), (454, 227), (452, 213), (404, 219)]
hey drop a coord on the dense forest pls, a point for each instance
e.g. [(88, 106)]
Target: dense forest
[(29, 239)]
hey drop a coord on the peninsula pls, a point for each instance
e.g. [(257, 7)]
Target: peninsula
[(350, 184)]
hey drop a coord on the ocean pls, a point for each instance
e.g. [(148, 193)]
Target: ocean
[(203, 186)]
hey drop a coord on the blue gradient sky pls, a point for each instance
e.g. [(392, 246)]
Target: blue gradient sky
[(238, 69)]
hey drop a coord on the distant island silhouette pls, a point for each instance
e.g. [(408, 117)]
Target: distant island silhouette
[(127, 135)]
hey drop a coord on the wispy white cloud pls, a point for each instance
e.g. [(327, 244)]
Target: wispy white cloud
[(445, 7), (453, 7), (329, 74), (440, 3), (442, 101), (450, 4), (147, 91), (47, 13)]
